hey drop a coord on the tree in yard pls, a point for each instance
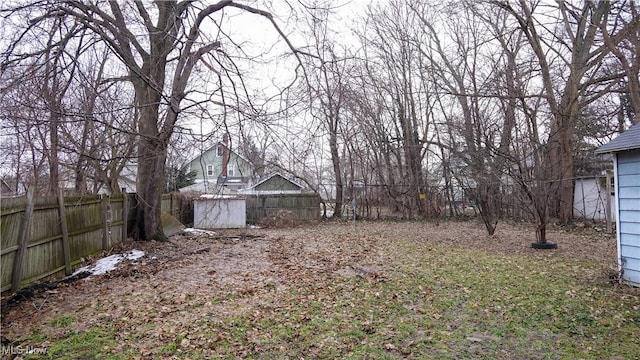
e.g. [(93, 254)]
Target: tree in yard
[(529, 168), (471, 98), (326, 91), (395, 105), (23, 140), (569, 57), (160, 44), (40, 92), (627, 52)]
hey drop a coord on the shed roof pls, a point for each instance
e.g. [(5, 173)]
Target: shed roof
[(628, 140)]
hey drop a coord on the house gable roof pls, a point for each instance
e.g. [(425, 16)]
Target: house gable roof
[(277, 174), (214, 147), (628, 140)]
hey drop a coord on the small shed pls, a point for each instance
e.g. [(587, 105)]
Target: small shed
[(626, 168), (590, 199), (219, 212)]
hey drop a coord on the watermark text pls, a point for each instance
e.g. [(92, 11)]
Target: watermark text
[(23, 350)]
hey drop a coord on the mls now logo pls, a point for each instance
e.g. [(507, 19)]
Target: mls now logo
[(20, 350)]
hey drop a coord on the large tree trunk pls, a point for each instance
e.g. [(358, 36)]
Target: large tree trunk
[(151, 38), (152, 153), (149, 184), (565, 197)]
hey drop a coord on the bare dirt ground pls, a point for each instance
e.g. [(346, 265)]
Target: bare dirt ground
[(180, 275)]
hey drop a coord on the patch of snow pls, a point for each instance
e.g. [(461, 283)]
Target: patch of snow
[(199, 231), (109, 263), (254, 227), (134, 254)]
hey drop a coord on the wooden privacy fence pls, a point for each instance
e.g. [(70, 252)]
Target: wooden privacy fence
[(171, 204), (305, 206), (47, 236)]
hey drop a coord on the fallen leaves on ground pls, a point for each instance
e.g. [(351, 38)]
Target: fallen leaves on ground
[(330, 290)]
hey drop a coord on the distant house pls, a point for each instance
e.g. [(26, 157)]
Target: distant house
[(125, 180), (626, 168), (219, 169), (275, 184)]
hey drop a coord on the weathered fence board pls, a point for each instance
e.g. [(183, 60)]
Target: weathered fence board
[(65, 234), (305, 207), (171, 203), (23, 240), (6, 268), (42, 259), (43, 237)]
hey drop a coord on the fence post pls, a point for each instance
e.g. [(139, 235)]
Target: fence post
[(175, 206), (125, 216), (65, 233), (171, 205), (105, 224), (24, 240)]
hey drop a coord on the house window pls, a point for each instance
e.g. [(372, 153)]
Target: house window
[(209, 170), (231, 170), (219, 151)]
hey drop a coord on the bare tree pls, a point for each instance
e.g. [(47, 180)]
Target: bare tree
[(326, 90), (626, 48), (468, 71), (577, 44), (25, 127), (396, 90), (81, 135), (159, 45)]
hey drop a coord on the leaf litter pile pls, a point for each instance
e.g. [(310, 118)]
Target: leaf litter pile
[(373, 290)]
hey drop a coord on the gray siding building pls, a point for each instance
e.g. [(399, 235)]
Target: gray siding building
[(626, 165)]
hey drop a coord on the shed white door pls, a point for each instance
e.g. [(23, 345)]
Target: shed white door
[(219, 213)]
